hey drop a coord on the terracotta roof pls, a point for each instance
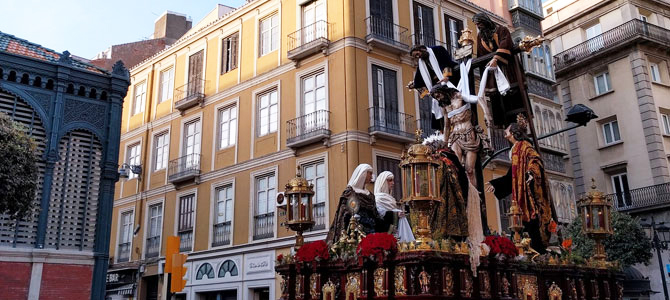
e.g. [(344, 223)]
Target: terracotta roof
[(14, 45)]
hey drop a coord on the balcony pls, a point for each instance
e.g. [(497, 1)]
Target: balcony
[(153, 247), (307, 129), (390, 125), (189, 95), (384, 34), (426, 40), (610, 42), (308, 40), (553, 162), (124, 252), (185, 240), (499, 142), (264, 226), (221, 234), (185, 168), (319, 216), (650, 197)]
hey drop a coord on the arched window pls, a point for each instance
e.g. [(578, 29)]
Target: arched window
[(82, 91), (25, 79), (50, 84), (545, 123), (70, 89), (93, 94), (548, 62), (1, 74), (205, 270), (228, 266), (12, 76), (38, 81), (538, 120), (552, 128), (103, 95)]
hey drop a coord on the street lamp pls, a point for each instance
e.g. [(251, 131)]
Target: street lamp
[(126, 169), (659, 243)]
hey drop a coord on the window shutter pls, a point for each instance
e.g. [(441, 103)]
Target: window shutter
[(233, 51), (428, 26), (375, 91), (225, 44)]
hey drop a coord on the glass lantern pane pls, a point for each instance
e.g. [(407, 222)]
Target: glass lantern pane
[(295, 204), (434, 183), (587, 219), (601, 218), (407, 175), (303, 208), (421, 180)]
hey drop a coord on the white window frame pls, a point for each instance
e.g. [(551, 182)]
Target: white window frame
[(229, 52), (228, 184), (194, 193), (166, 88), (303, 170), (268, 111), (269, 37), (665, 119), (272, 172), (230, 123), (607, 81), (133, 157), (161, 151), (119, 233), (618, 177), (147, 226), (611, 131), (139, 97), (655, 73)]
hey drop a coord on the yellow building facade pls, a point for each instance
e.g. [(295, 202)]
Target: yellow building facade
[(221, 120)]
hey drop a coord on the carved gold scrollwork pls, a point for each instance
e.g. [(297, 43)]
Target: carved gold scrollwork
[(283, 285), (380, 282), (555, 292), (400, 280), (505, 286), (466, 284), (484, 284), (299, 294), (596, 289), (328, 290), (527, 287), (424, 282), (314, 282), (448, 287), (353, 287)]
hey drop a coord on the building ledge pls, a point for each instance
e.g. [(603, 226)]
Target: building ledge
[(602, 95), (610, 145)]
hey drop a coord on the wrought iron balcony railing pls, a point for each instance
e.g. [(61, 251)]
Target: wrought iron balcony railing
[(153, 247), (308, 128), (319, 216), (553, 162), (184, 168), (221, 235), (124, 252), (264, 226), (185, 240), (385, 34), (308, 40), (611, 40), (190, 94), (649, 197), (392, 125), (426, 40), (499, 142)]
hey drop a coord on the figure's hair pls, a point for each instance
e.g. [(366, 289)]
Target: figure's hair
[(448, 93), (518, 132), (418, 48), (490, 27)]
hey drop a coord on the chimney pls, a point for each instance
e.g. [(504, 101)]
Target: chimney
[(171, 26)]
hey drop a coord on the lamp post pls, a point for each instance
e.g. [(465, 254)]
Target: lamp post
[(659, 243), (596, 213), (298, 193), (421, 187)]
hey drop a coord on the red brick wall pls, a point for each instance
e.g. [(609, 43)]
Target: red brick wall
[(66, 282), (14, 280), (131, 53)]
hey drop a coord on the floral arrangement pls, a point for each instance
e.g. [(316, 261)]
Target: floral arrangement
[(500, 245), (311, 252), (377, 245)]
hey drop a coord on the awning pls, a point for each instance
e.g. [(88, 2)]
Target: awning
[(126, 289)]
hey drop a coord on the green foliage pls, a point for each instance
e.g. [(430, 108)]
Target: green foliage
[(629, 245), (18, 170)]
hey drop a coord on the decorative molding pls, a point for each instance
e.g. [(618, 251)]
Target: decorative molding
[(50, 256), (89, 112)]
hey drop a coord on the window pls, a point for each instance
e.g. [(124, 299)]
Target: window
[(162, 141), (315, 173), (185, 222), (655, 74), (611, 132), (228, 267), (594, 37), (602, 83), (192, 139), (313, 21), (385, 99), (269, 34), (313, 101), (155, 227), (666, 123), (125, 236), (140, 97), (223, 215), (621, 189), (133, 157), (267, 113), (424, 29), (227, 126), (260, 293), (454, 27), (229, 53), (205, 271), (264, 206), (166, 85), (391, 165)]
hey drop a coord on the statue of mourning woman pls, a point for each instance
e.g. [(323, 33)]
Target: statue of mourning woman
[(356, 201), (388, 208)]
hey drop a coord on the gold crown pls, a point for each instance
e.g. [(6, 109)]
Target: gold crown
[(466, 38)]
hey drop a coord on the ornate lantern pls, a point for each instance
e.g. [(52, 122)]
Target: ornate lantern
[(595, 211), (516, 224), (421, 187), (298, 207)]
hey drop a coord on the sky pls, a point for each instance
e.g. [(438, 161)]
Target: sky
[(86, 27)]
